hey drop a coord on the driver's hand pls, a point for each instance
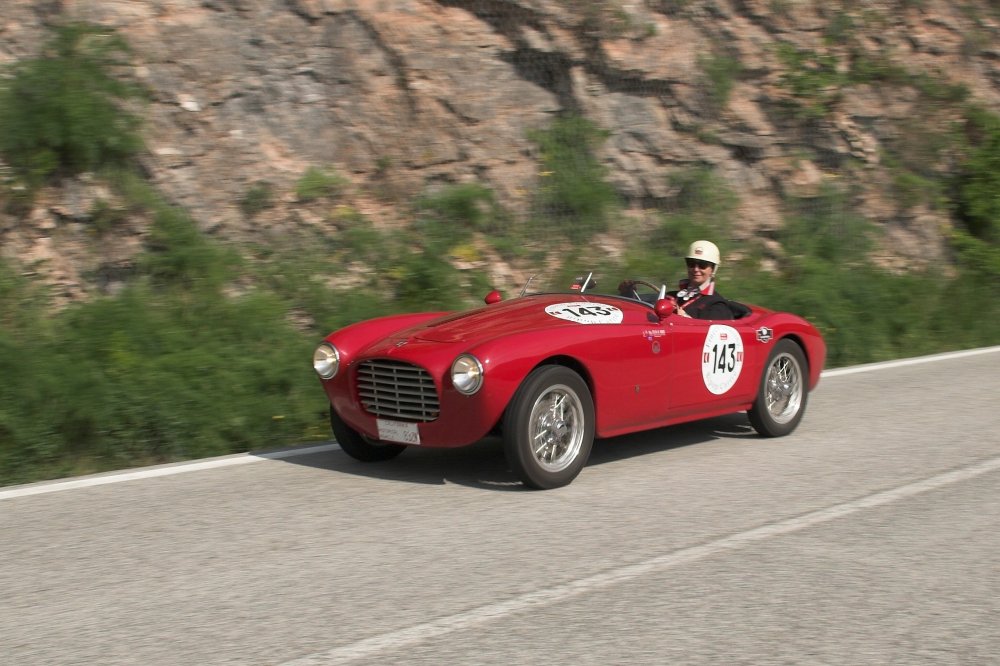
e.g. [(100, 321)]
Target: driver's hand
[(626, 287)]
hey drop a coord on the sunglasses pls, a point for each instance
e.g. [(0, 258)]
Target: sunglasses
[(700, 263)]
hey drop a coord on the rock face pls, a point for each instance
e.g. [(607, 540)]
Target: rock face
[(406, 94)]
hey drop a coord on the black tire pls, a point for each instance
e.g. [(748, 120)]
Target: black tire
[(553, 404), (360, 447), (783, 392)]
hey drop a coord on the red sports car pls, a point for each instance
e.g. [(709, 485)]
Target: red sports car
[(549, 372)]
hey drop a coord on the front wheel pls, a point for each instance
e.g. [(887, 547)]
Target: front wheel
[(781, 398), (548, 428), (358, 446)]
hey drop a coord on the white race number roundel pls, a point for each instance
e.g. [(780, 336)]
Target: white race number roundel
[(721, 358), (586, 313)]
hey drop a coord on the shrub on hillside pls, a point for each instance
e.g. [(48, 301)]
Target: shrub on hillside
[(317, 183), (462, 208), (65, 111), (978, 187), (258, 198), (171, 368), (178, 255), (573, 195)]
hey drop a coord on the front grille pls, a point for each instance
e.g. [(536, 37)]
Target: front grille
[(397, 390)]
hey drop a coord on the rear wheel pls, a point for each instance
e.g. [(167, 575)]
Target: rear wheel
[(783, 393), (358, 446), (548, 428)]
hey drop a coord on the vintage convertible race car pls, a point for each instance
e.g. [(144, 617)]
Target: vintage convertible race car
[(549, 372)]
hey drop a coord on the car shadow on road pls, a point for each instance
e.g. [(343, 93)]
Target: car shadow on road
[(650, 442), (483, 465)]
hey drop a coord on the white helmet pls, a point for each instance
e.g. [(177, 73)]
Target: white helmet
[(703, 249)]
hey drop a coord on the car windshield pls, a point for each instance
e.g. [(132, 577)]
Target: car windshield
[(554, 283), (587, 282)]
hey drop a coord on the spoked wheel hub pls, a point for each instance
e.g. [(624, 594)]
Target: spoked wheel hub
[(783, 393), (784, 388), (548, 428), (556, 428)]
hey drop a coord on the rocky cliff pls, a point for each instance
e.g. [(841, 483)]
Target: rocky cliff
[(404, 95)]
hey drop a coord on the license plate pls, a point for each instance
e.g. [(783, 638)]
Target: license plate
[(397, 431)]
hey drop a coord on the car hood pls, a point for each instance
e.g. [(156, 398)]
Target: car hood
[(519, 315)]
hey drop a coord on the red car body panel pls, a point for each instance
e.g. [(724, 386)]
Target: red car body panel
[(643, 372)]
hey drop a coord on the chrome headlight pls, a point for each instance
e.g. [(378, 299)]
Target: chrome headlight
[(467, 374), (326, 360)]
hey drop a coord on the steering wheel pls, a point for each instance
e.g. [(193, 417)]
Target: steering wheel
[(644, 284)]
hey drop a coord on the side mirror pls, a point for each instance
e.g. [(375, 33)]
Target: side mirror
[(493, 297), (665, 307)]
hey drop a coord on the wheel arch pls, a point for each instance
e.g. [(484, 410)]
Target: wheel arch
[(565, 361), (813, 350), (789, 391), (548, 428), (801, 344), (573, 364)]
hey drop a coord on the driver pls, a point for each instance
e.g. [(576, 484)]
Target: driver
[(696, 298)]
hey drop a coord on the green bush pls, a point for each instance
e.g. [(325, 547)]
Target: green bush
[(65, 111), (978, 183), (317, 183), (258, 198), (406, 270), (840, 29), (879, 68), (178, 255), (469, 206), (316, 281), (979, 259), (573, 195), (811, 78), (105, 217), (825, 228), (22, 303), (722, 71), (171, 368), (876, 68)]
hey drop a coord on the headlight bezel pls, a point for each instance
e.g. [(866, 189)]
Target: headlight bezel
[(326, 353), (467, 374)]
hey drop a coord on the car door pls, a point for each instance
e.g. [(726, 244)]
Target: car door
[(711, 366), (630, 364)]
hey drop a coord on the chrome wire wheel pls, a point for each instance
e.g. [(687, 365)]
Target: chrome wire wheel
[(548, 427), (784, 388), (556, 428), (783, 391)]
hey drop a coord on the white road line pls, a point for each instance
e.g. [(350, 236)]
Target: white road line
[(245, 458), (419, 633), (903, 362), (162, 470)]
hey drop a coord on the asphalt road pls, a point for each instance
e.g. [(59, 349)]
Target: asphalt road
[(869, 536)]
